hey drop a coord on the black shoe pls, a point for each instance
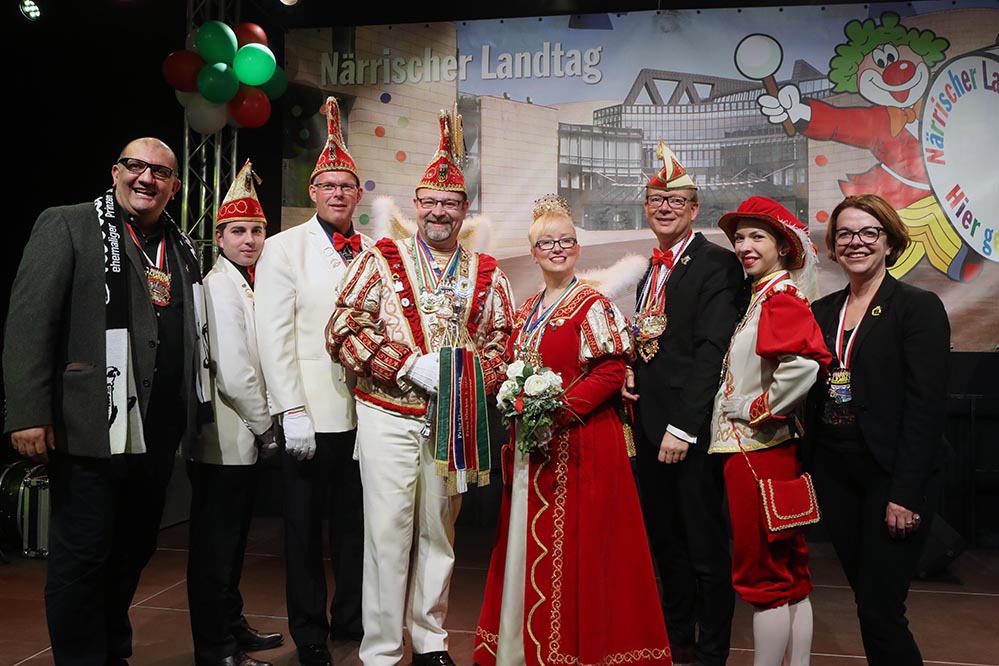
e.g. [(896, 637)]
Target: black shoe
[(432, 659), (316, 654), (251, 640)]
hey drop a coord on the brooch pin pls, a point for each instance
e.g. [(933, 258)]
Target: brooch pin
[(876, 312), (685, 259)]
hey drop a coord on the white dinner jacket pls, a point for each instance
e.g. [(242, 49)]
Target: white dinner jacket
[(297, 278), (239, 397)]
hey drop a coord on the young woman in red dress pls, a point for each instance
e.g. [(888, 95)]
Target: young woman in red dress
[(571, 578)]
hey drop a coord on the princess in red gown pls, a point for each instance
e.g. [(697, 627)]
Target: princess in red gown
[(571, 579)]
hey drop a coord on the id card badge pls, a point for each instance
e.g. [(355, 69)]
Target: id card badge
[(839, 386)]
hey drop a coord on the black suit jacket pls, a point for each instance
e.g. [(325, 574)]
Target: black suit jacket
[(54, 353), (898, 374), (704, 300)]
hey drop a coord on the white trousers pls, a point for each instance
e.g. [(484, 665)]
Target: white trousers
[(408, 538)]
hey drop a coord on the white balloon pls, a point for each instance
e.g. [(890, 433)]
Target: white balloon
[(185, 97), (205, 117)]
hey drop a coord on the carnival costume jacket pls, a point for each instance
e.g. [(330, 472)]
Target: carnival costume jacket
[(774, 358), (379, 328)]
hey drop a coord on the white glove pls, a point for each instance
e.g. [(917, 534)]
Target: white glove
[(299, 435), (736, 408), (425, 373), (786, 105)]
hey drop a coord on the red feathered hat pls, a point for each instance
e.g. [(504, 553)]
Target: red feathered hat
[(778, 218)]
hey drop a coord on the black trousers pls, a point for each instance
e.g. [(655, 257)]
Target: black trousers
[(683, 505), (221, 511), (328, 487), (105, 519), (852, 490)]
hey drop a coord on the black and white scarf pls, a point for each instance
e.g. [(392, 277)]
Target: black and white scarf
[(124, 417)]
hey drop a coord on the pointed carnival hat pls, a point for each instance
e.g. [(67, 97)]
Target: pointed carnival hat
[(780, 219), (672, 176), (444, 171), (241, 203), (334, 156)]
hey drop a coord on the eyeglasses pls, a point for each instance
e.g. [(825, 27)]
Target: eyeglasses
[(547, 245), (136, 166), (330, 188), (676, 202), (868, 235), (429, 203)]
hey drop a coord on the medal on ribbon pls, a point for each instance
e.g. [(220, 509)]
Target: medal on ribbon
[(157, 273)]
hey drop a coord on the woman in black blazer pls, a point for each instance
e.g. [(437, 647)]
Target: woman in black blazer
[(875, 425)]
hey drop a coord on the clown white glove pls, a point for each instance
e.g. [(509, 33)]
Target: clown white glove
[(299, 434), (787, 105), (425, 373), (736, 408)]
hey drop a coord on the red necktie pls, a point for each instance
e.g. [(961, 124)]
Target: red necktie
[(660, 257), (340, 241)]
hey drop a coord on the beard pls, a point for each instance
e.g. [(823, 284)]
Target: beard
[(438, 230)]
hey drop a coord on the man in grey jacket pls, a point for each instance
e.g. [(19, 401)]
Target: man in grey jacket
[(105, 318)]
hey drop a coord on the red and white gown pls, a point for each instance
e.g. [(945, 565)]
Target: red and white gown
[(571, 578)]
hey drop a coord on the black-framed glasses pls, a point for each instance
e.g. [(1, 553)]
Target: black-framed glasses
[(676, 202), (136, 166), (429, 203), (867, 235), (548, 244), (330, 188)]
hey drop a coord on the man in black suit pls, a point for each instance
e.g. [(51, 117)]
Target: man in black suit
[(104, 319), (687, 307)]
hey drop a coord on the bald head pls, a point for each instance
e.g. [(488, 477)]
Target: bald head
[(151, 143), (145, 180)]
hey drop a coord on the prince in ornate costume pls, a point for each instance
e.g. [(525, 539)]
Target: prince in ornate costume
[(423, 323)]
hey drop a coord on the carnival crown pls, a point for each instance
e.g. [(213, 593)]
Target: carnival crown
[(551, 204), (444, 171), (241, 203), (672, 176)]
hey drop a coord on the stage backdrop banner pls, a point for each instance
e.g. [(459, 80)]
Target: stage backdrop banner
[(805, 105)]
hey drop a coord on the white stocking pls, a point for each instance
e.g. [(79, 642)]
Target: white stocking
[(771, 635), (799, 648)]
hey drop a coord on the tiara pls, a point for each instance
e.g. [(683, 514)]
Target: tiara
[(551, 204)]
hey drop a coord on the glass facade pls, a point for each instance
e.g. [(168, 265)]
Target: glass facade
[(725, 142)]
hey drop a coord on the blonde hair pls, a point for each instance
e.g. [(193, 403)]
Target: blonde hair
[(545, 224)]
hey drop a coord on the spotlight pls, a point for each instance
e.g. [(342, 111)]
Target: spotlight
[(289, 2), (30, 10)]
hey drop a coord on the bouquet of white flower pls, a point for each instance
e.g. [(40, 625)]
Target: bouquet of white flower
[(529, 398)]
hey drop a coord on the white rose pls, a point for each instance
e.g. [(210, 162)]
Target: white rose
[(507, 390), (553, 380), (535, 385), (514, 369)]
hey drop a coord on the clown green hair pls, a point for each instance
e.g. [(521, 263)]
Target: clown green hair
[(865, 36)]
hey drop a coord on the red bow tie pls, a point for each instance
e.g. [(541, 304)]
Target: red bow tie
[(340, 241), (660, 257)]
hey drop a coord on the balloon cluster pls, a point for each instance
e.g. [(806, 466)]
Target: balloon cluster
[(225, 75)]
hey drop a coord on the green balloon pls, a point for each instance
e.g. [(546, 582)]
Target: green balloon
[(216, 42), (254, 64), (276, 85), (217, 83)]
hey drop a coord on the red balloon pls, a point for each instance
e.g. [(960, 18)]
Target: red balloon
[(250, 107), (181, 68), (249, 33)]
